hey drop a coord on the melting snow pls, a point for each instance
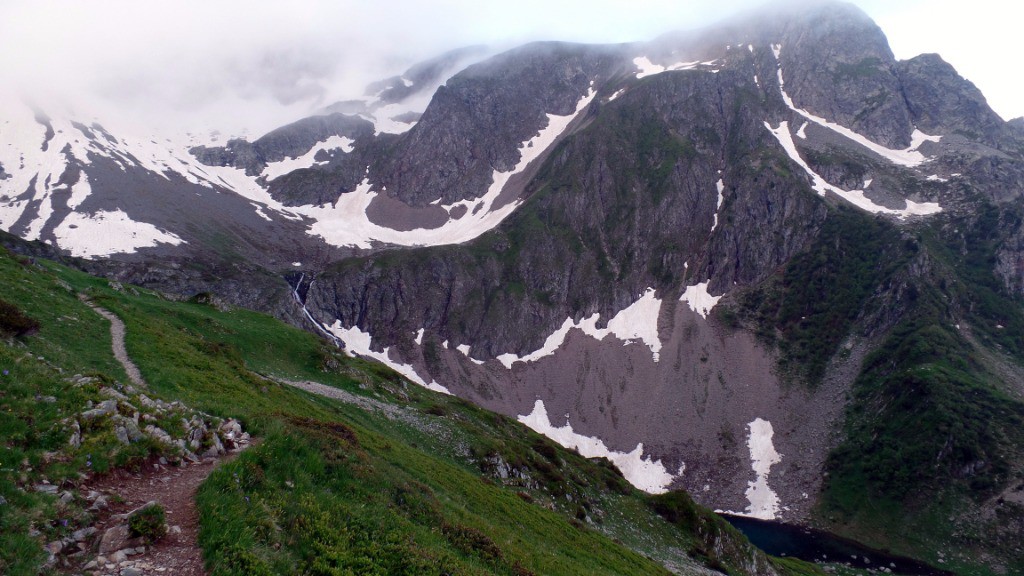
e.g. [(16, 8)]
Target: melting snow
[(909, 157), (647, 68), (307, 160), (937, 178), (345, 223), (637, 321), (105, 233), (802, 131), (464, 348), (699, 299), (358, 342), (763, 502), (855, 197), (720, 186), (645, 473)]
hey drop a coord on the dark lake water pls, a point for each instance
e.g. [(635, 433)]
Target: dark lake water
[(780, 539)]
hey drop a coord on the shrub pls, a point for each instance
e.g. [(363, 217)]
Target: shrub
[(148, 522), (14, 322)]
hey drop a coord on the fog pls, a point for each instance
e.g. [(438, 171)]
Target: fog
[(251, 66)]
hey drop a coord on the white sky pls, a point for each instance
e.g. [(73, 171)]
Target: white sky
[(230, 64)]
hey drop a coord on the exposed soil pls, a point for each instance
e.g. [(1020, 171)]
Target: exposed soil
[(117, 331), (174, 488)]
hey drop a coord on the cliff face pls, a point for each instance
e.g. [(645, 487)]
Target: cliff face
[(744, 260)]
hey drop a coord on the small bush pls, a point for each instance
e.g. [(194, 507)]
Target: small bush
[(14, 322), (149, 523)]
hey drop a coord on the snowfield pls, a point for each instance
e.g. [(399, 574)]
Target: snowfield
[(646, 474)]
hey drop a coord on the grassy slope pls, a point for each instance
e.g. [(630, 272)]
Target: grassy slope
[(333, 488)]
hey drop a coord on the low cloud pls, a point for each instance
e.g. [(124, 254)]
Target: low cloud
[(234, 64)]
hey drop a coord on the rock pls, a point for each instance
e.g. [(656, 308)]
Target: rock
[(76, 435), (45, 488), (174, 530), (100, 503), (118, 557), (131, 428), (48, 399), (159, 435), (67, 497), (55, 547), (90, 565), (3, 501), (216, 449), (122, 435), (130, 571), (146, 402), (83, 534), (113, 539), (105, 408), (111, 393)]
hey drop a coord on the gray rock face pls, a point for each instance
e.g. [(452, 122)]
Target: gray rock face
[(477, 121), (105, 408), (942, 102), (837, 64), (286, 142)]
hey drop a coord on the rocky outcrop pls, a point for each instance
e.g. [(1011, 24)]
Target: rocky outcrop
[(943, 102), (479, 119), (289, 141)]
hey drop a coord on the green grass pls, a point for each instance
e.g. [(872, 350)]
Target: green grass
[(331, 488)]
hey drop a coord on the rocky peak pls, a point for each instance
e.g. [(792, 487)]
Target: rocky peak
[(477, 122), (941, 101), (837, 63)]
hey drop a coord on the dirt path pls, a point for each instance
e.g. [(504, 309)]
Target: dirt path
[(174, 488), (117, 342)]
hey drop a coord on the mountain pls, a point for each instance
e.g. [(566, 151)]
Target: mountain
[(765, 262), (351, 469)]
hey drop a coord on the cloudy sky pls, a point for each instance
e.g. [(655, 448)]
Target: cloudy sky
[(258, 63)]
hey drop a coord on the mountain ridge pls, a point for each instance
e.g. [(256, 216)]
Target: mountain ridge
[(663, 243)]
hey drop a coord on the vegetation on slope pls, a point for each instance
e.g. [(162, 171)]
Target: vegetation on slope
[(395, 479)]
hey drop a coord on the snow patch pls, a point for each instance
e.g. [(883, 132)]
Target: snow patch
[(647, 474), (720, 186), (616, 95), (937, 178), (358, 342), (855, 197), (346, 224), (419, 337), (308, 160), (909, 157), (802, 131), (638, 321), (763, 502), (647, 68), (700, 300), (464, 348), (105, 233)]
